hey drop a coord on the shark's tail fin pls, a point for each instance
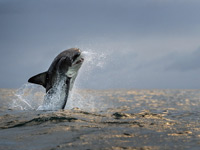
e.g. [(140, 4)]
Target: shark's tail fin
[(39, 79)]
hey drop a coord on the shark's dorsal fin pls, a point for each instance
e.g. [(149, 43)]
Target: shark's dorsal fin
[(39, 79)]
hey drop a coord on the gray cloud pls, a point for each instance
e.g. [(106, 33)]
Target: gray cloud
[(185, 61), (137, 33), (173, 61)]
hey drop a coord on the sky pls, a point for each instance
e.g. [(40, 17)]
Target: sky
[(148, 44)]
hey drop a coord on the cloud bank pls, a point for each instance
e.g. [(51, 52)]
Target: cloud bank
[(149, 44)]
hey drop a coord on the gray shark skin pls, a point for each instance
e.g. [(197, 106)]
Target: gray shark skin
[(60, 75)]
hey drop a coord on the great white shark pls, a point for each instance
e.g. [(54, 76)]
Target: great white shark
[(58, 80)]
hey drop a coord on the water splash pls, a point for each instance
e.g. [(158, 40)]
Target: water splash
[(28, 97), (92, 61), (79, 99), (94, 58), (55, 97), (83, 99), (32, 97)]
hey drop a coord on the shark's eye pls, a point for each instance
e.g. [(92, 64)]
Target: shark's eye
[(47, 77)]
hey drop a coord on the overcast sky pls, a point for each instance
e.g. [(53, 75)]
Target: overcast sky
[(140, 44)]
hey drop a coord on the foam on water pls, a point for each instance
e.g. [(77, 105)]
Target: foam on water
[(77, 99), (92, 60), (54, 100), (33, 97), (28, 97)]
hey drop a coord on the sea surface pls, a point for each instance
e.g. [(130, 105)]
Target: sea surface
[(101, 119)]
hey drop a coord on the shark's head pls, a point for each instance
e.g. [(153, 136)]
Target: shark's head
[(70, 62), (76, 64), (77, 58)]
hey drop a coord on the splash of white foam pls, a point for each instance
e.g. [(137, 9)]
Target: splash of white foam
[(79, 98), (28, 97), (94, 59), (54, 100)]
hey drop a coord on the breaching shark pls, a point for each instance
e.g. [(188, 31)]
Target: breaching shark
[(59, 79)]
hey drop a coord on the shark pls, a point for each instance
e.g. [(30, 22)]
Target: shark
[(58, 80)]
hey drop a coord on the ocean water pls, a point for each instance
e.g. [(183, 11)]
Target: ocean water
[(101, 119)]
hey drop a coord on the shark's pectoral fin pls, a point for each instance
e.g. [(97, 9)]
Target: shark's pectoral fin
[(39, 79)]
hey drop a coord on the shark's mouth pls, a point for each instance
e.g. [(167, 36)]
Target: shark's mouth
[(80, 61)]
